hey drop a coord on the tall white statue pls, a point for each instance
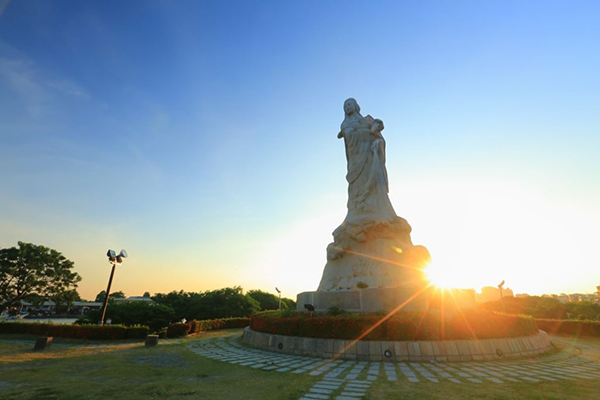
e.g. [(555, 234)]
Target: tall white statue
[(367, 177), (372, 247)]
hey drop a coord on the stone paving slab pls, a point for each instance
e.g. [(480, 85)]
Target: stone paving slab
[(352, 379)]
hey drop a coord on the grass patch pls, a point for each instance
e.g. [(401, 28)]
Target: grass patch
[(137, 373), (134, 372), (559, 390)]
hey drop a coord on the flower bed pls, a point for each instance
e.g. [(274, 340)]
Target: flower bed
[(90, 332), (183, 329), (402, 326), (570, 327)]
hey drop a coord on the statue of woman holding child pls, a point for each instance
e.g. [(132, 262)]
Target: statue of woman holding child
[(372, 247), (367, 177)]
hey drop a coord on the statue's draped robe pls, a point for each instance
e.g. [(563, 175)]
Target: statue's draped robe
[(367, 176), (372, 247)]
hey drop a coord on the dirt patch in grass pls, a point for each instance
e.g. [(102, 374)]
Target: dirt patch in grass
[(18, 354)]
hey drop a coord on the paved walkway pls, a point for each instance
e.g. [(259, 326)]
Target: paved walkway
[(344, 380)]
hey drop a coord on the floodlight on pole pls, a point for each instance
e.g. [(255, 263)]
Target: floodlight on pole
[(279, 291), (500, 286), (115, 259)]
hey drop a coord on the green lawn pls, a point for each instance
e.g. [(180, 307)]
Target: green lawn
[(172, 371), (571, 389), (136, 373)]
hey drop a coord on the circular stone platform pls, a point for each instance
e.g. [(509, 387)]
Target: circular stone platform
[(352, 379), (446, 350)]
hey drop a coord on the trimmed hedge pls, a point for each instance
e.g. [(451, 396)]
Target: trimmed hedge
[(178, 330), (570, 327), (402, 326), (183, 329), (90, 332)]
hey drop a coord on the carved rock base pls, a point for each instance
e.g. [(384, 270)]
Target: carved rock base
[(373, 254)]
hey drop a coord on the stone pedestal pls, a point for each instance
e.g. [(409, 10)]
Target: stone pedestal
[(366, 300), (373, 253), (151, 340)]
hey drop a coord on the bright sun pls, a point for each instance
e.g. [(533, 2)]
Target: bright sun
[(440, 277)]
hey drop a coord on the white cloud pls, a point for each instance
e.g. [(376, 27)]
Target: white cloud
[(21, 76), (69, 87)]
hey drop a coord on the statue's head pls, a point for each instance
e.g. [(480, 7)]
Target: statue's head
[(351, 106)]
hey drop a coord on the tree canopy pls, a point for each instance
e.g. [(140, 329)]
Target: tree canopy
[(546, 307), (270, 301), (220, 303), (114, 295), (155, 316), (32, 271)]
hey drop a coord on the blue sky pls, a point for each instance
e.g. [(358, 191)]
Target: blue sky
[(201, 136)]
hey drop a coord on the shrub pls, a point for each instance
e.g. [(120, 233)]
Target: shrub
[(154, 315), (178, 330), (570, 327), (137, 332), (401, 326), (90, 332), (182, 329), (336, 311)]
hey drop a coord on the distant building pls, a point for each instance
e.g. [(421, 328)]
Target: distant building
[(563, 298), (137, 298), (48, 307)]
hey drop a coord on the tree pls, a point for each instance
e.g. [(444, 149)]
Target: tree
[(535, 306), (147, 294), (30, 270), (267, 301), (178, 301), (114, 295), (64, 301), (289, 304), (155, 316), (583, 310), (222, 303)]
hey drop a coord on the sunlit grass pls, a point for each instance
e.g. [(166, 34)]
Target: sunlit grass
[(166, 371)]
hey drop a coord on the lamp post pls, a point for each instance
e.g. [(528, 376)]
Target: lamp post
[(115, 260), (500, 286), (278, 291)]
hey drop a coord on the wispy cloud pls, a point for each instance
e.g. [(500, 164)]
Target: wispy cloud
[(37, 90), (69, 87), (21, 77), (3, 5)]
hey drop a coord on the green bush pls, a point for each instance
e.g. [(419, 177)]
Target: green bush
[(183, 329), (178, 330), (131, 313), (137, 332), (220, 303), (270, 301), (401, 326), (335, 311), (570, 327), (90, 332)]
